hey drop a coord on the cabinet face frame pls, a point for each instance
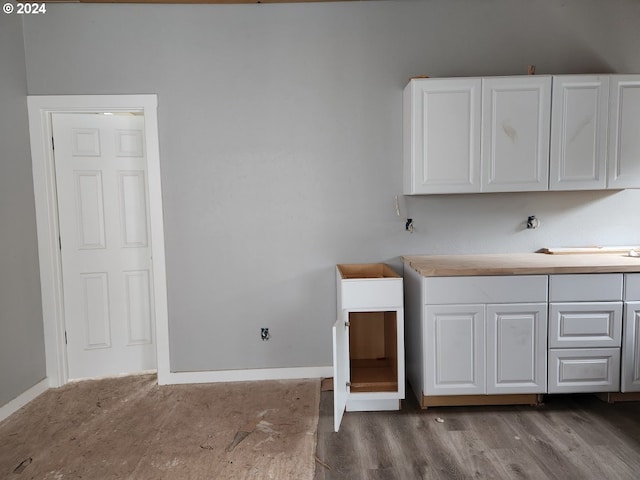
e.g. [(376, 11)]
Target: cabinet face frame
[(346, 400), (579, 128)]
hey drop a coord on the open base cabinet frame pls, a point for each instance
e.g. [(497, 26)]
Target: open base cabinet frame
[(368, 340)]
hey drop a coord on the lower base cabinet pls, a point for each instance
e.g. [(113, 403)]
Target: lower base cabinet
[(514, 337), (368, 340)]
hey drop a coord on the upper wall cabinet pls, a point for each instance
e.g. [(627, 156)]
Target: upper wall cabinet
[(442, 136), (522, 133), (624, 132), (515, 133), (579, 119), (469, 135)]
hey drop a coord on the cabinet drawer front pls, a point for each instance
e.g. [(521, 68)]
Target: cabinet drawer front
[(632, 287), (485, 289), (599, 287), (578, 370), (585, 324), (371, 293)]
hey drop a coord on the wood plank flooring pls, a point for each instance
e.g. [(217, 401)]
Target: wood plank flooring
[(568, 437)]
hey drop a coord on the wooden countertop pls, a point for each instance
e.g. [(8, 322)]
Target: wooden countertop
[(521, 264)]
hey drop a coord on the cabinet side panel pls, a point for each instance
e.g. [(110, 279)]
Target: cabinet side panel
[(413, 328), (408, 155)]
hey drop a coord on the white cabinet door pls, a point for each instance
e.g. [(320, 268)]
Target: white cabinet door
[(631, 348), (579, 121), (340, 370), (454, 350), (624, 133), (442, 136), (517, 348), (515, 133)]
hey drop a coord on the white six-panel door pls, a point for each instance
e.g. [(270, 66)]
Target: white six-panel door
[(102, 195)]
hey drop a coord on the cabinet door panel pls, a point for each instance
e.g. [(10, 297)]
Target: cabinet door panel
[(442, 136), (579, 120), (516, 348), (624, 139), (631, 348), (455, 350), (340, 369), (516, 114)]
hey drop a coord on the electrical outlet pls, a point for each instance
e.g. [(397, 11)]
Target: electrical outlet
[(264, 334)]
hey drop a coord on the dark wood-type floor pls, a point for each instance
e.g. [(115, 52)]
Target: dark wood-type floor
[(568, 437)]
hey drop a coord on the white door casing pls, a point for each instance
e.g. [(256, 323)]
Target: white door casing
[(41, 109), (102, 196)]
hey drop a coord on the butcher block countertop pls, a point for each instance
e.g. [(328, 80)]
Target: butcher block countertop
[(521, 264)]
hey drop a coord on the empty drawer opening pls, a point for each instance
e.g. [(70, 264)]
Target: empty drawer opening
[(373, 351)]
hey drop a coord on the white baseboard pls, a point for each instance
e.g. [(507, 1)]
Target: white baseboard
[(215, 376), (21, 400)]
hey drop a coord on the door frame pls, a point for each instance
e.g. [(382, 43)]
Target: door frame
[(40, 109)]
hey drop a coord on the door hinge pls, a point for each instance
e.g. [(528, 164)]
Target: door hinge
[(347, 324), (65, 338), (60, 242), (53, 146), (348, 384)]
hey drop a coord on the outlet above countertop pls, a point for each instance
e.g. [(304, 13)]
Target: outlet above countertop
[(520, 264)]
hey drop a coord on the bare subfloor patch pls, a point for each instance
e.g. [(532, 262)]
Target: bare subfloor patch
[(130, 428)]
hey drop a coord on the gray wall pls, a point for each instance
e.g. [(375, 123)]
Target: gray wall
[(22, 361), (280, 138)]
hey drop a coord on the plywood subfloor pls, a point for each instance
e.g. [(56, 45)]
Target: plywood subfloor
[(130, 428), (566, 438)]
